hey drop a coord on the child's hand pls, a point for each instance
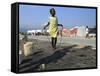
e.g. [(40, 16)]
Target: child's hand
[(46, 25)]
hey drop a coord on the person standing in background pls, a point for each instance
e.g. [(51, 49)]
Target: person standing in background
[(87, 32)]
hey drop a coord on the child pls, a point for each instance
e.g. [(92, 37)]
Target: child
[(53, 27)]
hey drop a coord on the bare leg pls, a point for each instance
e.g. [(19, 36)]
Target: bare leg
[(55, 41)]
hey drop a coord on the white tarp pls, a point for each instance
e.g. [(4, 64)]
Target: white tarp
[(81, 32)]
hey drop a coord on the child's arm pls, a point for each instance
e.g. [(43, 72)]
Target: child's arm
[(60, 25), (46, 25)]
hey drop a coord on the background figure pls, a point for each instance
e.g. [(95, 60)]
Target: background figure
[(87, 32)]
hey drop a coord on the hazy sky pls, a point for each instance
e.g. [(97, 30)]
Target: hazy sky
[(33, 17)]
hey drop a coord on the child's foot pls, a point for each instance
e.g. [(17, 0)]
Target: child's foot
[(54, 48)]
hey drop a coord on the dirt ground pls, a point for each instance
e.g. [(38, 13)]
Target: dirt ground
[(67, 56)]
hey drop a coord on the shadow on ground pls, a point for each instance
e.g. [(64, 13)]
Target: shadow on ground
[(33, 62)]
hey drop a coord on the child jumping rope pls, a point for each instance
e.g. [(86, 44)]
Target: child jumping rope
[(53, 27)]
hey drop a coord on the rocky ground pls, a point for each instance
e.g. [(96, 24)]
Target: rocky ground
[(66, 56)]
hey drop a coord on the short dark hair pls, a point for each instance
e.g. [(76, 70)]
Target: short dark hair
[(52, 9), (86, 26)]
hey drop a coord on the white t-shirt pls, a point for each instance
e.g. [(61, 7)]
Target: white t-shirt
[(87, 30)]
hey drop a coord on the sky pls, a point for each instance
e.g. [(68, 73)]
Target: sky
[(34, 17)]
